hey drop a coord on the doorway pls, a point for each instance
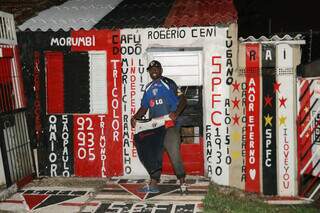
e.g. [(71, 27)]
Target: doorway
[(184, 66)]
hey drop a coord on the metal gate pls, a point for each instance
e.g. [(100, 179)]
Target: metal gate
[(308, 124), (16, 161)]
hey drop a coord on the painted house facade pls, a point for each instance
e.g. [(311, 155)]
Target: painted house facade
[(238, 129)]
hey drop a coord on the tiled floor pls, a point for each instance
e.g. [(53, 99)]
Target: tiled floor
[(117, 195)]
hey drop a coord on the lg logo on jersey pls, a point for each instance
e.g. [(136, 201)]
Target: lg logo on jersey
[(153, 102)]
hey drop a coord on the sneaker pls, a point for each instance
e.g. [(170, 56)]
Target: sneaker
[(149, 189), (183, 189)]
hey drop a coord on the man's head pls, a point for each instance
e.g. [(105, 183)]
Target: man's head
[(155, 69)]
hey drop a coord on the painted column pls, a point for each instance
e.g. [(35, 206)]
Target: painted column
[(269, 139), (253, 117), (284, 88)]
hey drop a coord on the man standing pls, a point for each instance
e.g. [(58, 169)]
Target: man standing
[(157, 99)]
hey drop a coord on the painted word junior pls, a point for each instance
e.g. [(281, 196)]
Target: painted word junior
[(86, 41)]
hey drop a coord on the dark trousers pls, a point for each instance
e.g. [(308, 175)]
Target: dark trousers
[(149, 146)]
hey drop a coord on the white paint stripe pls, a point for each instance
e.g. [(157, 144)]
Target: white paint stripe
[(285, 119), (217, 152), (16, 83), (1, 53), (302, 82), (116, 197), (315, 191), (98, 85), (288, 202)]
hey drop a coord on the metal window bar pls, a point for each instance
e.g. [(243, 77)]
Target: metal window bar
[(11, 86), (19, 159), (17, 80), (7, 29)]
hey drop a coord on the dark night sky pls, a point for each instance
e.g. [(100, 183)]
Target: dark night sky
[(285, 16)]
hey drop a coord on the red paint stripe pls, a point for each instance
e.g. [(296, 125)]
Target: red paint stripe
[(305, 142), (253, 118), (7, 52), (21, 93), (55, 82), (87, 146), (6, 85), (24, 181), (192, 158), (12, 201), (107, 40), (78, 204), (115, 145), (37, 101)]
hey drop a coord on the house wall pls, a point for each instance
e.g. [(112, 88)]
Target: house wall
[(248, 125)]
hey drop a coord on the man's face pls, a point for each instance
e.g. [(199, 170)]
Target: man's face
[(155, 72)]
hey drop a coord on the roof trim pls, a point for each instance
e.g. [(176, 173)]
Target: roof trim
[(274, 39), (72, 15)]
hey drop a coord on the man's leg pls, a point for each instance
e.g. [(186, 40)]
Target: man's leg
[(172, 145), (150, 150)]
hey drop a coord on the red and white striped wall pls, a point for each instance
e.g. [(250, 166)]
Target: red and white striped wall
[(308, 135)]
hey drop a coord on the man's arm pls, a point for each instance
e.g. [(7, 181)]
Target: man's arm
[(141, 112), (181, 105)]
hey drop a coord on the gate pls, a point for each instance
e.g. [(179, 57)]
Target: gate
[(308, 124), (16, 161)]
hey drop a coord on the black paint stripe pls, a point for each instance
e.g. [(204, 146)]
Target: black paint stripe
[(269, 152), (76, 83), (307, 102), (63, 150), (309, 111)]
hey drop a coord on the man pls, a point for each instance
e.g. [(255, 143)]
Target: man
[(157, 100)]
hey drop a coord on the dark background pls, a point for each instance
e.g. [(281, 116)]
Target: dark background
[(280, 17), (268, 17)]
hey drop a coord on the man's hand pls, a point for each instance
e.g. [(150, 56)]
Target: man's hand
[(173, 116), (133, 122), (141, 112)]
